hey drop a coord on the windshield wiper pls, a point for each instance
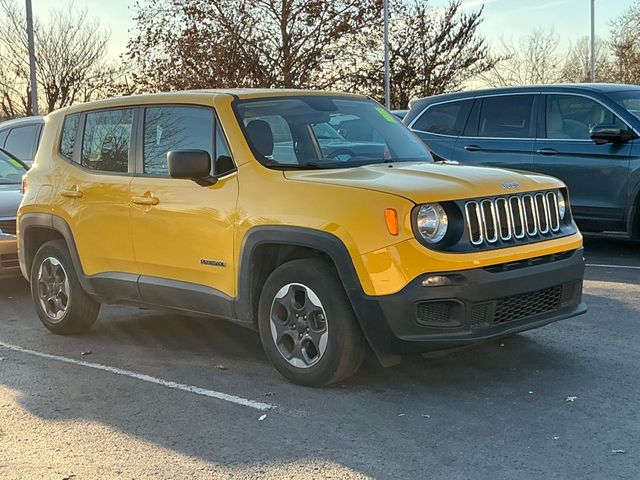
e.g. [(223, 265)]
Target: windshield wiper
[(292, 166)]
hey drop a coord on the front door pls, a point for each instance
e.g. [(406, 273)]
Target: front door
[(183, 232), (595, 174)]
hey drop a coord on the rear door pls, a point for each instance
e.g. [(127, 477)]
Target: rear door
[(596, 175), (499, 132), (440, 124)]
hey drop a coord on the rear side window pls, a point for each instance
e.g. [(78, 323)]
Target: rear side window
[(3, 137), (106, 140), (572, 117), (175, 128), (21, 142), (506, 116), (68, 137), (445, 119)]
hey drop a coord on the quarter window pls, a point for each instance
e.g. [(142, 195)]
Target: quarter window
[(106, 140), (68, 138), (21, 142), (175, 128), (445, 119), (506, 116), (572, 117)]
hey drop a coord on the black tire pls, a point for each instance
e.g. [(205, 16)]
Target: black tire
[(80, 310), (345, 346)]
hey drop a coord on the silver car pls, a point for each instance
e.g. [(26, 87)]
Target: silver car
[(11, 173)]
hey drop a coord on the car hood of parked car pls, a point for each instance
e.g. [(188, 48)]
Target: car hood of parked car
[(428, 182), (10, 198)]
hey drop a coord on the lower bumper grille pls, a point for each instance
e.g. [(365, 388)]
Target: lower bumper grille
[(9, 260), (517, 307)]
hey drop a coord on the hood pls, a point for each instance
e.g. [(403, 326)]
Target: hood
[(430, 182), (10, 198)]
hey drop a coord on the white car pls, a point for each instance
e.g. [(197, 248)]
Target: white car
[(11, 173)]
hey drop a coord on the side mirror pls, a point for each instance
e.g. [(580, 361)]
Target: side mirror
[(192, 165), (608, 133)]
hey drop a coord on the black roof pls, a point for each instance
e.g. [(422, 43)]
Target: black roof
[(591, 87)]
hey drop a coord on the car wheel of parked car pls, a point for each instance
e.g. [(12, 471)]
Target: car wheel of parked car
[(62, 305), (307, 326)]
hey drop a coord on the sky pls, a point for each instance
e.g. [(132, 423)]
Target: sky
[(510, 19)]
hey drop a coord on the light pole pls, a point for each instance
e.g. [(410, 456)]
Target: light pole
[(32, 61), (387, 80), (593, 41)]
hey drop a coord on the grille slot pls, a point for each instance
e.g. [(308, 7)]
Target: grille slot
[(8, 226), (9, 260), (517, 217), (433, 313), (525, 305)]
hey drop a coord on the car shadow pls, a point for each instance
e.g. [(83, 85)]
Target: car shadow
[(349, 424)]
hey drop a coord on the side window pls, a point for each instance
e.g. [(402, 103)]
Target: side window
[(506, 116), (445, 119), (106, 140), (3, 137), (572, 116), (21, 142), (223, 162), (175, 128), (68, 136)]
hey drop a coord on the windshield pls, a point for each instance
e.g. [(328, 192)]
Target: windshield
[(629, 99), (326, 132), (11, 171)]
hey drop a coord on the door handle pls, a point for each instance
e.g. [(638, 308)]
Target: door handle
[(547, 151), (148, 200), (472, 148), (72, 192)]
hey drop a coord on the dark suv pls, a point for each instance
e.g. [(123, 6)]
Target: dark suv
[(586, 135)]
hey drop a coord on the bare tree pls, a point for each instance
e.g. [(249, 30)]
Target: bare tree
[(534, 59), (432, 51), (223, 43), (577, 66), (70, 60), (625, 45)]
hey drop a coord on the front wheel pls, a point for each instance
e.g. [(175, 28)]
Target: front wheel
[(307, 326), (61, 303)]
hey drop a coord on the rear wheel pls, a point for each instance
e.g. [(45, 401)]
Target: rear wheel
[(307, 325), (61, 303)]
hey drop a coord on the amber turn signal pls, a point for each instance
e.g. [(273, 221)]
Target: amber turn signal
[(391, 217)]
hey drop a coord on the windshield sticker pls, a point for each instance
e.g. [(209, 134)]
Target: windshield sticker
[(386, 115)]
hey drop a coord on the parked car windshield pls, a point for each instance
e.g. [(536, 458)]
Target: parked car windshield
[(11, 170), (326, 132), (629, 99)]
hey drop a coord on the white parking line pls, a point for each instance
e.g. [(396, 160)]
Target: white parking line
[(597, 265), (146, 378)]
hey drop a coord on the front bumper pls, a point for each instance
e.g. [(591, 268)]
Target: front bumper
[(9, 266), (482, 303)]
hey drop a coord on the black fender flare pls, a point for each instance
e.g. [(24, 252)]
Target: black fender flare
[(367, 309), (57, 224)]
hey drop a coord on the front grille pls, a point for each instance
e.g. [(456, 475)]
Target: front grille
[(525, 305), (10, 260), (516, 217), (8, 226)]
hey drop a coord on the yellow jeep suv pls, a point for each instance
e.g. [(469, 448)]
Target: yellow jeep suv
[(316, 218)]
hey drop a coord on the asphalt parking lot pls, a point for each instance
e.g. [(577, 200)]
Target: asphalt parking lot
[(148, 394)]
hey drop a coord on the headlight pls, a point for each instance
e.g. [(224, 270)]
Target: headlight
[(562, 205), (432, 222)]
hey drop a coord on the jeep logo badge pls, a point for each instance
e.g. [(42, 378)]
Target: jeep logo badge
[(511, 186)]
